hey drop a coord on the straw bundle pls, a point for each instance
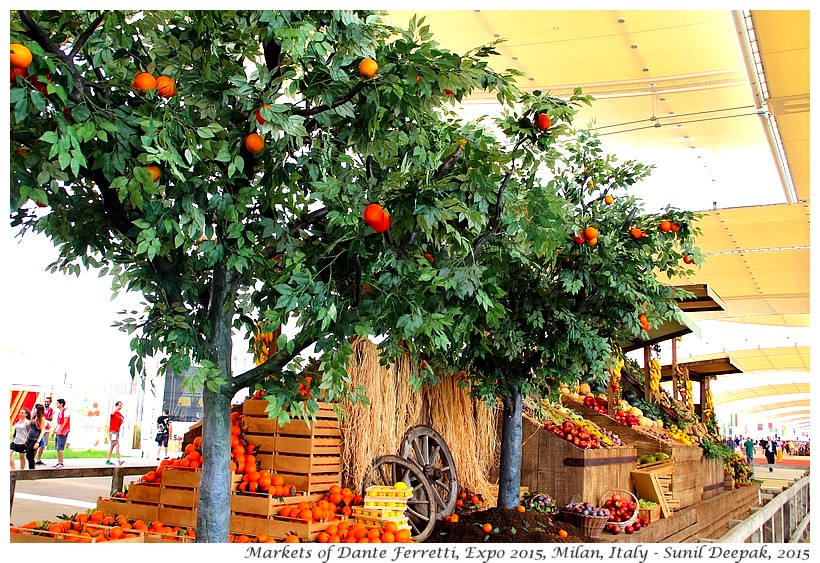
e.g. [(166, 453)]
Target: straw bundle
[(469, 430), (376, 429)]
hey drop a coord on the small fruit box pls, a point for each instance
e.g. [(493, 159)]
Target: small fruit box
[(387, 494), (650, 514), (27, 535), (152, 536), (144, 492), (375, 518)]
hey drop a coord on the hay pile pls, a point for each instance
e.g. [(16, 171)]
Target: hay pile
[(467, 426)]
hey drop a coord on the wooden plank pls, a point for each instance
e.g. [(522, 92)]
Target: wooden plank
[(648, 488)]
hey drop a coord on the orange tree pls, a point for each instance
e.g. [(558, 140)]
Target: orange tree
[(559, 295), (134, 149)]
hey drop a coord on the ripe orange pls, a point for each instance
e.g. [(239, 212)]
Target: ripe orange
[(20, 55), (609, 199), (454, 518), (591, 232), (665, 226), (165, 86), (636, 233), (388, 537), (675, 227), (155, 171), (543, 122), (592, 241), (563, 534), (688, 260), (520, 508), (487, 527), (144, 82), (368, 68), (323, 537), (292, 539), (391, 527), (255, 143), (431, 260), (403, 535)]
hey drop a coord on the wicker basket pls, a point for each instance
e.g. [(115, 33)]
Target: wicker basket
[(626, 494), (590, 526)]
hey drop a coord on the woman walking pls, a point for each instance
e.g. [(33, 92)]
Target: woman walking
[(36, 430), (18, 443)]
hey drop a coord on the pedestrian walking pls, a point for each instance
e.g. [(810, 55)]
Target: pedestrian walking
[(770, 450), (114, 426), (18, 443), (61, 431), (749, 446), (36, 429), (163, 432), (48, 412), (779, 456)]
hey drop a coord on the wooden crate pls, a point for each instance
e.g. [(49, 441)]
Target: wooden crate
[(571, 473), (177, 516), (253, 504), (713, 477), (141, 511), (260, 426), (144, 492), (111, 506), (263, 443), (179, 496), (25, 535), (248, 525), (254, 408), (180, 477), (279, 528), (312, 482), (158, 537)]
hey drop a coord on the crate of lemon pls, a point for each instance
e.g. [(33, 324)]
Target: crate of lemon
[(384, 504)]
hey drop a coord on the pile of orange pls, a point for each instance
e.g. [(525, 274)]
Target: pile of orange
[(145, 82), (357, 532)]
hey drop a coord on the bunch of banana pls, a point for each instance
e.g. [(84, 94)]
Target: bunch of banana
[(708, 405), (654, 375), (686, 394), (264, 345)]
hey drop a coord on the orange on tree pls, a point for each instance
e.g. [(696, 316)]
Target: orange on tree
[(155, 171), (591, 232), (665, 226), (15, 72), (608, 199), (368, 68), (636, 233), (165, 86), (20, 56), (144, 82), (254, 143), (543, 122)]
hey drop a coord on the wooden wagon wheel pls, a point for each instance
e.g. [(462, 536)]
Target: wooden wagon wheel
[(428, 449), (421, 507)]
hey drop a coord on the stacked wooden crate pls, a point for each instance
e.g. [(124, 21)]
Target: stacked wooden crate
[(140, 503), (307, 454), (179, 496), (384, 504)]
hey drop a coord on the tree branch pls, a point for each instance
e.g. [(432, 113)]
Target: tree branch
[(36, 33), (82, 39), (275, 363), (308, 112)]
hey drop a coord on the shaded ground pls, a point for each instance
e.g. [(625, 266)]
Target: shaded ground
[(509, 526)]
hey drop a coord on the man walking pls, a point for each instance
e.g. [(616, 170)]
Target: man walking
[(61, 431), (48, 415), (114, 425), (749, 445)]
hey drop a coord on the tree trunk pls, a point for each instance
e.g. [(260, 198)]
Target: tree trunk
[(214, 512), (509, 471)]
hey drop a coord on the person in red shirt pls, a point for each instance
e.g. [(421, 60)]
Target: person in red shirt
[(114, 426), (48, 413), (61, 431)]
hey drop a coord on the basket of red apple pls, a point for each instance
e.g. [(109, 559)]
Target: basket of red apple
[(623, 508)]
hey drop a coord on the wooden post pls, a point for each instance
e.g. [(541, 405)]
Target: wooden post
[(704, 388), (674, 368), (647, 391), (610, 398)]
